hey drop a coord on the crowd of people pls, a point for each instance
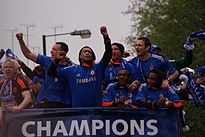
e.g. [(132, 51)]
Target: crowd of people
[(149, 80)]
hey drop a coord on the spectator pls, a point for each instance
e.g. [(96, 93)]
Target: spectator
[(57, 93), (86, 79), (14, 91), (118, 94)]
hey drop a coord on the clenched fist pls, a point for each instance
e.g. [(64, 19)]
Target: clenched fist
[(103, 31), (19, 36)]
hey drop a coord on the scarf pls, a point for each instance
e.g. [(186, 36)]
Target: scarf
[(6, 88), (199, 35)]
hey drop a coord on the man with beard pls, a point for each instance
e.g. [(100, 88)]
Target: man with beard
[(56, 94)]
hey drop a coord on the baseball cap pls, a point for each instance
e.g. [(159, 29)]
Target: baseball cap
[(154, 47), (201, 71)]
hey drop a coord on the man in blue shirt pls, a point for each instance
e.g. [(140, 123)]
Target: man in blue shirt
[(56, 93), (153, 96), (146, 61), (181, 62), (117, 63), (85, 79), (118, 94)]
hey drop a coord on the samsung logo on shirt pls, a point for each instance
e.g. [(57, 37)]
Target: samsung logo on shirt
[(86, 80)]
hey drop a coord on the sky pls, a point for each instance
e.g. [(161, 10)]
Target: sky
[(42, 17)]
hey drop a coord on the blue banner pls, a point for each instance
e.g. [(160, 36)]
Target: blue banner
[(98, 122), (195, 91)]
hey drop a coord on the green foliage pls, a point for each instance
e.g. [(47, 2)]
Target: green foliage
[(168, 23), (195, 118)]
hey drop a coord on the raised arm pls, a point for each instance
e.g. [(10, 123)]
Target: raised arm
[(188, 58), (108, 51), (26, 69), (184, 62), (25, 50)]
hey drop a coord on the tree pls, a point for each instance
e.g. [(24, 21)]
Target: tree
[(167, 23)]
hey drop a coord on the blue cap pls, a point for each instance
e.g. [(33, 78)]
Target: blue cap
[(37, 79), (154, 47), (201, 71)]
